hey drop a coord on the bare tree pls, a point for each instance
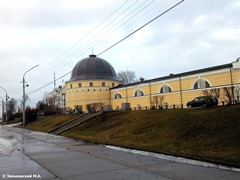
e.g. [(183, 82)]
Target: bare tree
[(48, 105), (78, 108), (157, 101), (12, 107), (228, 94), (27, 99), (41, 105), (50, 99), (213, 92), (95, 106), (161, 100), (237, 92), (154, 102), (127, 76)]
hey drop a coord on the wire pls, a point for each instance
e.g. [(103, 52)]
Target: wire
[(110, 33), (127, 21), (94, 29), (79, 53), (140, 27), (93, 39), (172, 7), (49, 83)]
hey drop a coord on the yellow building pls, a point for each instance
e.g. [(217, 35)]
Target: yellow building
[(90, 82), (94, 80), (176, 90)]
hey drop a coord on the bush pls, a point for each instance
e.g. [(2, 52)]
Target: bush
[(31, 115)]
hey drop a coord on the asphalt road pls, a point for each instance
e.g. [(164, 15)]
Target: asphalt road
[(26, 154)]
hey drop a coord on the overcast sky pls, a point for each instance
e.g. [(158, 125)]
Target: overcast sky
[(56, 34)]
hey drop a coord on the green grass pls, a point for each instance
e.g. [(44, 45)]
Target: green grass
[(212, 133)]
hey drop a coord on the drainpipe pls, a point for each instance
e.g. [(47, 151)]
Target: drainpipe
[(150, 94), (126, 96), (180, 85), (232, 84)]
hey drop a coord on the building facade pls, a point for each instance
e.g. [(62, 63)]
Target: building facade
[(90, 82), (94, 81), (176, 90)]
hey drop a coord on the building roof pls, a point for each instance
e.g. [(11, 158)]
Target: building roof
[(171, 76), (92, 68)]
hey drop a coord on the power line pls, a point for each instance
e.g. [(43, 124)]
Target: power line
[(172, 7), (88, 46), (134, 15), (94, 29), (141, 27), (93, 39), (49, 83), (114, 12), (77, 53)]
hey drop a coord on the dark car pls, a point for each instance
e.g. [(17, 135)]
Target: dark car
[(203, 101)]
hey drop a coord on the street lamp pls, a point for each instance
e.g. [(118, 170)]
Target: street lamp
[(2, 106), (6, 100), (24, 96)]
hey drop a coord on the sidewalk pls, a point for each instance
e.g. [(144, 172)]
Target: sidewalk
[(34, 155)]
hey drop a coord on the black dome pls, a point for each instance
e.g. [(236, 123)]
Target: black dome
[(93, 68)]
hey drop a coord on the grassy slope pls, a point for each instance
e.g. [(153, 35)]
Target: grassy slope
[(15, 121), (212, 133), (47, 123)]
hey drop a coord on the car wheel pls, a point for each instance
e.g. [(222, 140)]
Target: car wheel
[(189, 106), (204, 105)]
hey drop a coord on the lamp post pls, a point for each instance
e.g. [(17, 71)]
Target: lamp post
[(24, 96), (6, 100), (2, 106)]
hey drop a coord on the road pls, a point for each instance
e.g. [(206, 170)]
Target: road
[(26, 154)]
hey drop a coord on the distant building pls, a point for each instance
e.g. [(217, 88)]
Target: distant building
[(94, 81), (57, 98)]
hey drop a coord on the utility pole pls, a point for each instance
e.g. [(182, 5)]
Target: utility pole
[(2, 106), (6, 101), (24, 100), (24, 94)]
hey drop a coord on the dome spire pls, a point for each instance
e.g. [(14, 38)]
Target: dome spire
[(92, 55)]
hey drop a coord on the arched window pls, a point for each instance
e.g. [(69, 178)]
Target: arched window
[(117, 96), (139, 93), (165, 89), (201, 84)]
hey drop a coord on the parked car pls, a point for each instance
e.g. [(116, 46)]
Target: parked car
[(203, 101)]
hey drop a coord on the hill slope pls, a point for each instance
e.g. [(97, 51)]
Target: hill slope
[(212, 133)]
